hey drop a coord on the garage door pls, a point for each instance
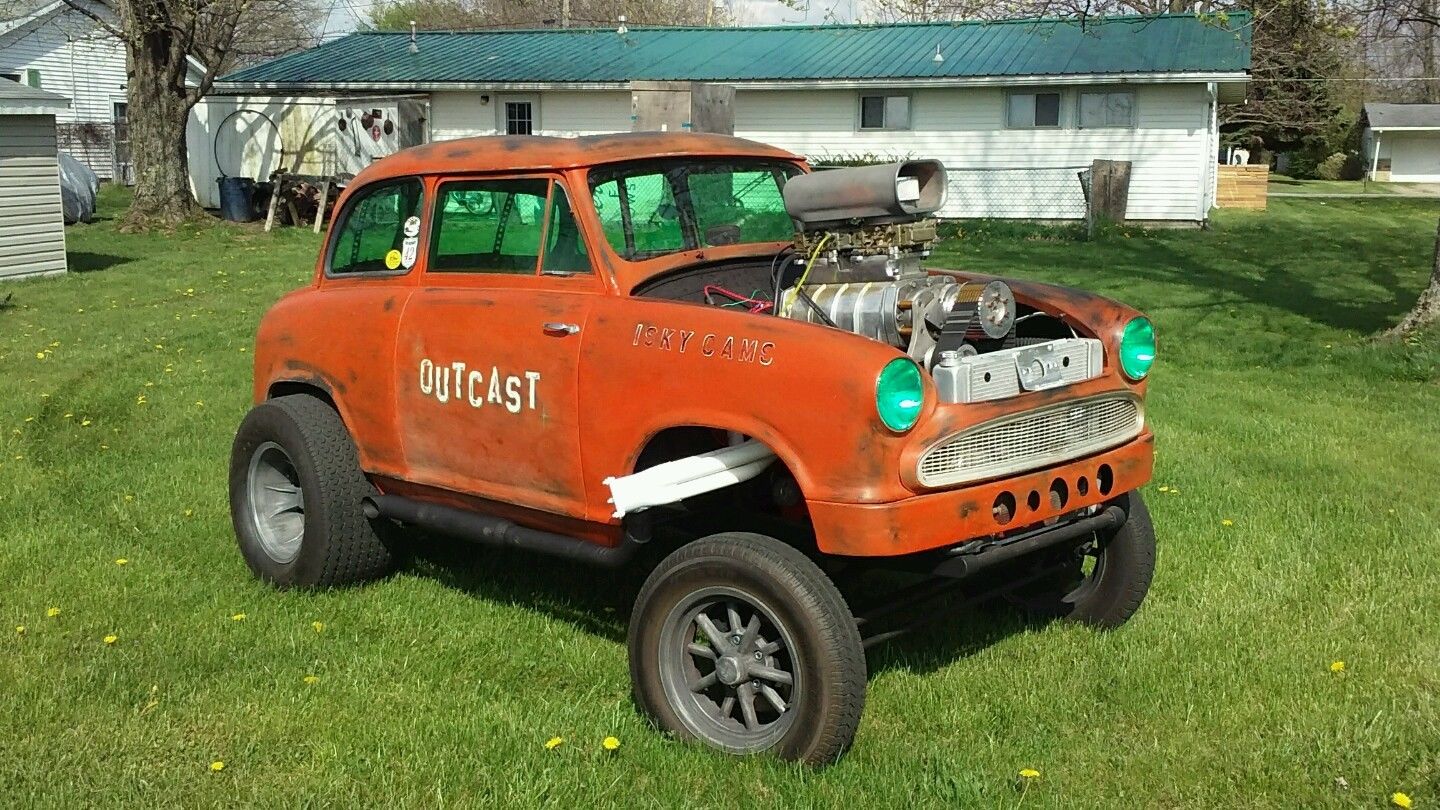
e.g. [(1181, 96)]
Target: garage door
[(1415, 157)]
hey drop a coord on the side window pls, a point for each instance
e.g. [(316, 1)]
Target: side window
[(649, 203), (372, 234), (564, 245), (1032, 110), (1107, 110), (488, 226)]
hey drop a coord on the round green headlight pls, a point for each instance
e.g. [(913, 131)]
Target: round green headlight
[(1137, 348), (899, 393)]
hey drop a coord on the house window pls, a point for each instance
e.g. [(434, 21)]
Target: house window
[(1107, 110), (884, 112), (1032, 110), (517, 116), (14, 77), (32, 77)]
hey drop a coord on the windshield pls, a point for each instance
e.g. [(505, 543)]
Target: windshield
[(665, 206)]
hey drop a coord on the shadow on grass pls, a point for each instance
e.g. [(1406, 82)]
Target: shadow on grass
[(81, 262), (599, 602)]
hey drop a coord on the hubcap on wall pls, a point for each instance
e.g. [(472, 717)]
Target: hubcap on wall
[(277, 503), (730, 669)]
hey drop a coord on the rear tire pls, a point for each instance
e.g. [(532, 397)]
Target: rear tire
[(1108, 588), (741, 642), (295, 497)]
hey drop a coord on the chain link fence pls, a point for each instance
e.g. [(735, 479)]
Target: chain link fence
[(104, 147), (1016, 192)]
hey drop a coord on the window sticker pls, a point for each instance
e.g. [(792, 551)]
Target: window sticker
[(392, 260)]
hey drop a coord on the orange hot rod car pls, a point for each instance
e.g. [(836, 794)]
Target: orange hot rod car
[(693, 347)]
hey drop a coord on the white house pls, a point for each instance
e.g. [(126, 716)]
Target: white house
[(52, 46), (1014, 109), (1401, 142)]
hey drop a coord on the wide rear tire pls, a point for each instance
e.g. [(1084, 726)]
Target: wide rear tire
[(295, 497)]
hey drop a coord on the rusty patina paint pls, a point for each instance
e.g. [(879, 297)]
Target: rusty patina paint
[(635, 367)]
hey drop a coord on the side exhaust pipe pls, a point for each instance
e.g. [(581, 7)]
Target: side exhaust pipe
[(683, 478), (497, 532)]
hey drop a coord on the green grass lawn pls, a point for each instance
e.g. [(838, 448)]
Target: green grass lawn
[(1295, 501)]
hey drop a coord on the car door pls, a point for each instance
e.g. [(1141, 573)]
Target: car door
[(489, 344)]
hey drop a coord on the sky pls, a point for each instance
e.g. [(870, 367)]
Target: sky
[(344, 15)]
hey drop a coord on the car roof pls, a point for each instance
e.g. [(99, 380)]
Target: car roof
[(535, 152)]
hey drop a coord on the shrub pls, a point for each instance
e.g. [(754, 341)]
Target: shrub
[(1331, 167)]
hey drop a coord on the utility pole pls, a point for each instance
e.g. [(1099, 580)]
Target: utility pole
[(1429, 90)]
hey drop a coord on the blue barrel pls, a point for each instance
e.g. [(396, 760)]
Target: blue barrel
[(236, 199)]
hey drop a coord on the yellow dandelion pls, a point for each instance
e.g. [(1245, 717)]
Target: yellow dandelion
[(1227, 522), (1029, 773), (140, 400), (121, 561), (85, 423), (553, 743), (39, 355), (111, 639), (311, 679), (238, 617), (217, 766), (29, 419), (53, 612), (610, 744), (19, 629), (189, 512), (1337, 667), (69, 415), (319, 626), (1401, 800), (1164, 489), (199, 403)]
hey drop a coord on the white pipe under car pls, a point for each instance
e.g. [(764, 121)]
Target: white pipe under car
[(683, 478)]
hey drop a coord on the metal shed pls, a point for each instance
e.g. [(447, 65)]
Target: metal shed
[(32, 221)]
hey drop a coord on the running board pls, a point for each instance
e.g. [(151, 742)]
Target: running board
[(496, 532)]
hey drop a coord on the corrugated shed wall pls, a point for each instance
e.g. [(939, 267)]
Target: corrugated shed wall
[(32, 223)]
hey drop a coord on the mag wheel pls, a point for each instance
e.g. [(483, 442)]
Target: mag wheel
[(742, 643)]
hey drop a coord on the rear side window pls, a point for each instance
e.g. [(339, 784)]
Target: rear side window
[(374, 229), (489, 226)]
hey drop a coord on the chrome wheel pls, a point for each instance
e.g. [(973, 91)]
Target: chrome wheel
[(277, 502), (730, 669)]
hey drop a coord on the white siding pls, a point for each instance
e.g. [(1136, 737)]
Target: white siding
[(1000, 172), (265, 133), (78, 61), (561, 114), (32, 222), (1414, 156)]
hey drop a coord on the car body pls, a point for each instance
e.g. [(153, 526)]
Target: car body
[(520, 386)]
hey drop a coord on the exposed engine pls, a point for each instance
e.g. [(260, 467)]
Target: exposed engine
[(863, 235)]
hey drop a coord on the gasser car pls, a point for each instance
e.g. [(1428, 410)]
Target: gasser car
[(691, 355)]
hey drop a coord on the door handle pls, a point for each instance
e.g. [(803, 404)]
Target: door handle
[(561, 329)]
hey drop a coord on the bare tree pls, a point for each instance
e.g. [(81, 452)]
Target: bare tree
[(174, 50), (465, 15)]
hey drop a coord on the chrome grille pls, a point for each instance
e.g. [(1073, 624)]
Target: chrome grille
[(1033, 439)]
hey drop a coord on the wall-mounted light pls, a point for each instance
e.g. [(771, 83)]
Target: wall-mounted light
[(622, 29), (414, 46), (484, 98)]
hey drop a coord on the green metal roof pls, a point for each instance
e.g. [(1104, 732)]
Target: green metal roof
[(1112, 46)]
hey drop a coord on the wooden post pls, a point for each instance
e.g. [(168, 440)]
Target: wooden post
[(320, 211), (274, 198), (1110, 189)]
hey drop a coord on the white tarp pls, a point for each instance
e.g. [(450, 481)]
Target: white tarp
[(78, 187)]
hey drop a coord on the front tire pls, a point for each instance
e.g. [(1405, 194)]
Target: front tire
[(741, 642), (1105, 579), (295, 497)]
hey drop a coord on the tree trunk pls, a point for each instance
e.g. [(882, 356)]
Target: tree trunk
[(157, 112), (1426, 310), (1430, 90)]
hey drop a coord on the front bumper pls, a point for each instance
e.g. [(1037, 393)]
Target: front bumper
[(941, 519)]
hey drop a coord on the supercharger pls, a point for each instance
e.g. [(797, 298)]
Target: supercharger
[(862, 238)]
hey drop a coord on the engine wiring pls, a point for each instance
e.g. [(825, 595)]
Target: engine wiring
[(800, 284), (751, 302)]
